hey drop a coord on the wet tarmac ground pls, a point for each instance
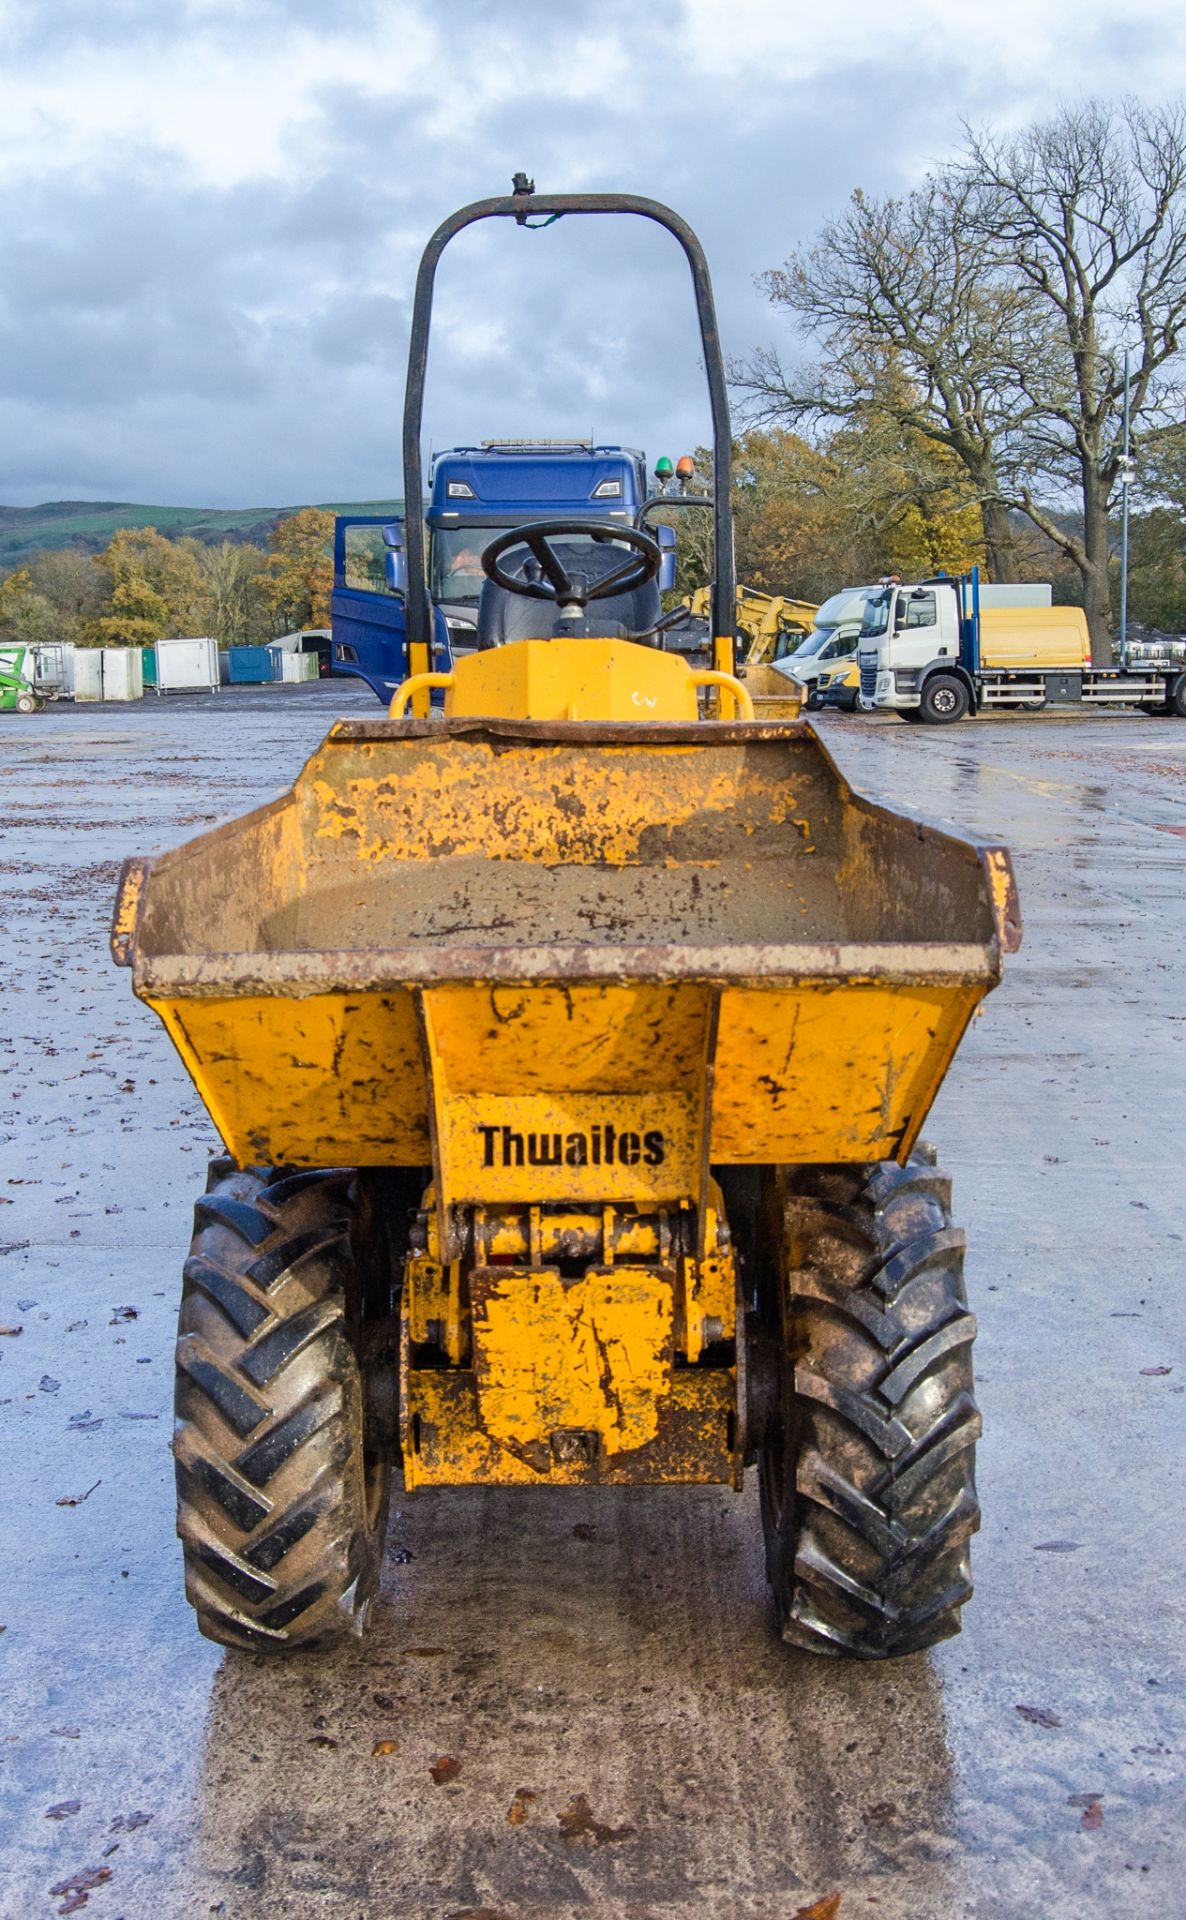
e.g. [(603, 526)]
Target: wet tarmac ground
[(630, 1739)]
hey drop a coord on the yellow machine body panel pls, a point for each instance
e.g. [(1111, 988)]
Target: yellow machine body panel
[(575, 680), (567, 968), (816, 1072)]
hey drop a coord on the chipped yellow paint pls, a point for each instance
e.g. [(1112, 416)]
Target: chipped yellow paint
[(444, 1443), (823, 1073), (332, 1080), (127, 910), (528, 1365), (817, 1072), (1004, 898), (555, 803), (591, 1355)]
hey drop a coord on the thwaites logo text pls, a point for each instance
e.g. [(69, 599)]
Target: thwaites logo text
[(597, 1146)]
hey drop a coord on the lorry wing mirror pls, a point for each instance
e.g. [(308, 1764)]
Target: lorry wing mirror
[(395, 559), (666, 539)]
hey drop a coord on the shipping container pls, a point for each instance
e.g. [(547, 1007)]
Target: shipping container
[(88, 674), (250, 666), (188, 665), (123, 673)]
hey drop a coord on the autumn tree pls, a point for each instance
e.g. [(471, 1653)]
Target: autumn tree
[(26, 616), (1004, 291), (72, 583), (811, 518), (1090, 209), (231, 573), (298, 575), (914, 326), (156, 590)]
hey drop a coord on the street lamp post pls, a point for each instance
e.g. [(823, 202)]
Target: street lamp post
[(1125, 476)]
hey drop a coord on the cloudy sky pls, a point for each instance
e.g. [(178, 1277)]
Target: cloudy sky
[(210, 211)]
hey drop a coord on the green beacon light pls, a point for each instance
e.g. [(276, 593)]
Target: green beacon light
[(663, 469)]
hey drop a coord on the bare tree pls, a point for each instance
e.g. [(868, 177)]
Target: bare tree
[(1090, 208), (917, 320)]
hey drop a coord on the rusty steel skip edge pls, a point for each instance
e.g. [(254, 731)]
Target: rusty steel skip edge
[(625, 955)]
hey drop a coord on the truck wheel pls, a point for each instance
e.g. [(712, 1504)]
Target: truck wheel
[(281, 1487), (26, 703), (943, 700), (1177, 700), (866, 1466)]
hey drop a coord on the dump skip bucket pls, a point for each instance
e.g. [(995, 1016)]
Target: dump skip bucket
[(567, 962)]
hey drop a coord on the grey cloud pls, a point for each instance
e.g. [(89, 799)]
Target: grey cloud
[(160, 339)]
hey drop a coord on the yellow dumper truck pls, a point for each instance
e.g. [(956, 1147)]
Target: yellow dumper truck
[(570, 1053)]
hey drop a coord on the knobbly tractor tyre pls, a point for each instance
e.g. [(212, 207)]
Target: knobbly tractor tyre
[(867, 1463), (943, 700), (282, 1473)]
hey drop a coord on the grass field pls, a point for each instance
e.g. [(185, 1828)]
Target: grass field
[(90, 523)]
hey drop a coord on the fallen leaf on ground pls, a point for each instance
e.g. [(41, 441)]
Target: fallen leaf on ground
[(382, 1748), (123, 1313), (1093, 1812), (127, 1822), (48, 1384), (825, 1908), (383, 1700), (517, 1811), (444, 1769), (1039, 1716), (323, 1740), (579, 1828), (62, 1810), (422, 1653), (882, 1813), (1156, 1370), (76, 1499), (1058, 1546), (84, 1881), (12, 1332), (67, 1733)]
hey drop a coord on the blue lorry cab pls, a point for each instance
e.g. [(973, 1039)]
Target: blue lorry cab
[(476, 493)]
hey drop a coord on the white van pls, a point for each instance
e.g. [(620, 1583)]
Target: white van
[(832, 639)]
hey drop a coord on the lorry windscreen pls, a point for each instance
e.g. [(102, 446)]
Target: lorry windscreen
[(457, 560), (877, 613), (817, 638)]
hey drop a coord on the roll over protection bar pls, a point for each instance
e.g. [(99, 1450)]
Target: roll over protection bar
[(520, 206)]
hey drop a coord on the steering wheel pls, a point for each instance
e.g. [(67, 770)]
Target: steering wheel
[(574, 589)]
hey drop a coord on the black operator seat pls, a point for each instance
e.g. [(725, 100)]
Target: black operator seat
[(504, 616)]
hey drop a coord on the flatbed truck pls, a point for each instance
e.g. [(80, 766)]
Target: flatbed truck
[(949, 647)]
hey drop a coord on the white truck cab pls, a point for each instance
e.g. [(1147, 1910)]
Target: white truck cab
[(920, 649)]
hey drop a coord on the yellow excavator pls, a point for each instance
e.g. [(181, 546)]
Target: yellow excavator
[(768, 624), (570, 1053)]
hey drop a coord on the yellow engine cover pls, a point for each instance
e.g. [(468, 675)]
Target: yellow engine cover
[(573, 680)]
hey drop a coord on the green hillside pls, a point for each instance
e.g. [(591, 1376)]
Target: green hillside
[(89, 524)]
